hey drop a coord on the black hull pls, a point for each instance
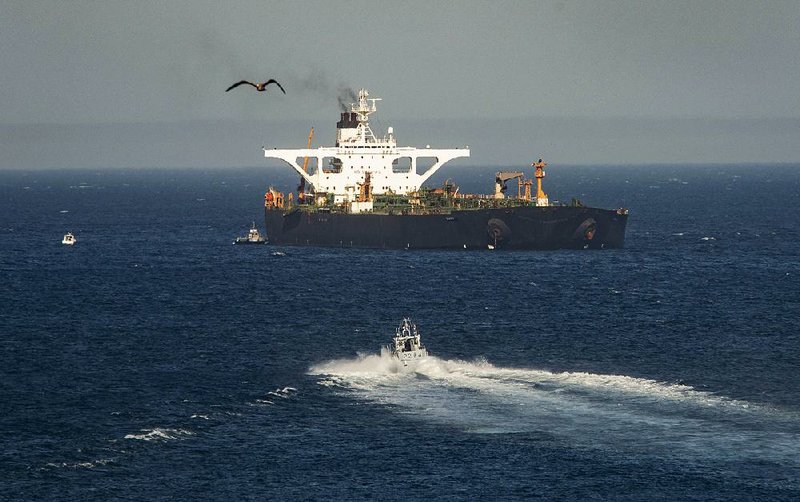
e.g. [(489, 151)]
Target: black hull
[(556, 227)]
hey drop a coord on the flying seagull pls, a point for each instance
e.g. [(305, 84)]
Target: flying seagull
[(259, 87)]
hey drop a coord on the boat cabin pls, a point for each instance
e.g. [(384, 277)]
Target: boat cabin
[(407, 345)]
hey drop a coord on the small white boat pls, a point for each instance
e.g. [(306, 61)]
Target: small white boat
[(407, 346), (69, 239), (253, 237)]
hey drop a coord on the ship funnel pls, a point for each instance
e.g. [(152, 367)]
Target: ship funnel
[(349, 120), (347, 128)]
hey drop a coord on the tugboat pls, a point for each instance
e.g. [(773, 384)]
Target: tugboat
[(69, 239), (406, 344), (253, 237)]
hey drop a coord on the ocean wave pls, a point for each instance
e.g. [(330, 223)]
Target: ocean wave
[(91, 464), (283, 393), (275, 395), (160, 434)]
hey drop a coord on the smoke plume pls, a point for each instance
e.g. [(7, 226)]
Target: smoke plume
[(317, 82), (346, 96)]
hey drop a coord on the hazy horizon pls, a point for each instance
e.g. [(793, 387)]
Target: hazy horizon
[(125, 84)]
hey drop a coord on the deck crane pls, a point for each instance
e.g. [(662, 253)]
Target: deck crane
[(500, 180), (301, 190)]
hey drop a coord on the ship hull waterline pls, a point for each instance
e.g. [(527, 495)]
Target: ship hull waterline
[(520, 228)]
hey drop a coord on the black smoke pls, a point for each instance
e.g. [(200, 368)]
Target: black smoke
[(345, 97)]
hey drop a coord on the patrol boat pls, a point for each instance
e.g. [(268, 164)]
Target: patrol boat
[(406, 345), (69, 239), (253, 237)]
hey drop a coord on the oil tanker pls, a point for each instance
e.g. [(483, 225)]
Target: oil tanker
[(366, 192)]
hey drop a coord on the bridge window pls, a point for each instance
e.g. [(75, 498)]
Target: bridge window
[(401, 165), (332, 165)]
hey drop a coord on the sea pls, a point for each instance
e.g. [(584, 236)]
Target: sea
[(153, 360)]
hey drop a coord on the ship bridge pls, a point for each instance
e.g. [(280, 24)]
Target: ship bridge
[(341, 169)]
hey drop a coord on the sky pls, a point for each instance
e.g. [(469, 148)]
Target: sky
[(142, 83)]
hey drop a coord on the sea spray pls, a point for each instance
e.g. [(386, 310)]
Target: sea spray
[(584, 409)]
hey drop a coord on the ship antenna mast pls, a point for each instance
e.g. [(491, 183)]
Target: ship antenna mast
[(363, 109), (541, 197)]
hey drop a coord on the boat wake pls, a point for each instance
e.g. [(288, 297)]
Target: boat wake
[(583, 410)]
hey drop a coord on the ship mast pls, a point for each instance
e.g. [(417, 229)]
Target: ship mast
[(541, 197), (364, 109)]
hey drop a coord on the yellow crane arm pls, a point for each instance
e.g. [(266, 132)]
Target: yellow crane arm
[(305, 161)]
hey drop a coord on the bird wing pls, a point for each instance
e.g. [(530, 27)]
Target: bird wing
[(273, 81), (237, 84)]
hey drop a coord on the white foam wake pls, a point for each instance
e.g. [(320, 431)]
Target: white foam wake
[(368, 371), (582, 409)]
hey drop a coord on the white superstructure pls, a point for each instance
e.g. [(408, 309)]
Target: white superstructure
[(253, 237), (406, 345), (340, 171)]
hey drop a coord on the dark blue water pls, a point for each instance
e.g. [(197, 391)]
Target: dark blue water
[(154, 360)]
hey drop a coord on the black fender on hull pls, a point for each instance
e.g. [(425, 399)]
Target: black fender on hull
[(585, 231), (498, 231)]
